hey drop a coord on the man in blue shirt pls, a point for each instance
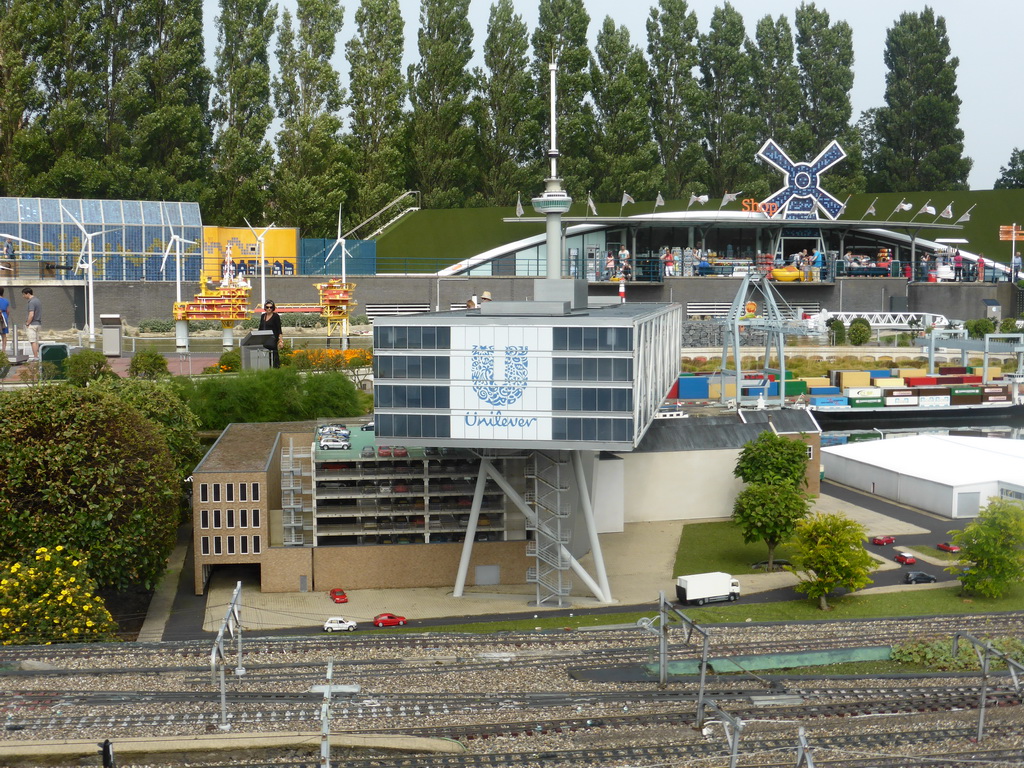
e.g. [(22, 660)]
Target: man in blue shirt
[(4, 306)]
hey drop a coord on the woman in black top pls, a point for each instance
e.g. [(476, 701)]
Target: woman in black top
[(271, 321)]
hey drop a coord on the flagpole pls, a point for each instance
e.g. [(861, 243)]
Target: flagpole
[(967, 214), (871, 209), (899, 207), (939, 216)]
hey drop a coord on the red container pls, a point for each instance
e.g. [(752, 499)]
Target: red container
[(919, 381), (956, 369)]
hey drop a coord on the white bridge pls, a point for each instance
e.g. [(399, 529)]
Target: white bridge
[(887, 320)]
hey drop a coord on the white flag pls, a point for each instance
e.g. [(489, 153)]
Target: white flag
[(906, 206), (870, 211), (947, 212), (590, 204), (730, 198), (929, 209), (626, 199), (697, 199), (519, 204), (659, 201), (965, 217)]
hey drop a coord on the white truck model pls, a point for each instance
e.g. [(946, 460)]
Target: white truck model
[(703, 588)]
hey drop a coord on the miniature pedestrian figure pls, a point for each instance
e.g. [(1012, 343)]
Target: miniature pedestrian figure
[(4, 319), (980, 277), (1015, 264), (609, 265), (958, 267), (669, 260), (8, 249), (33, 321), (627, 271)]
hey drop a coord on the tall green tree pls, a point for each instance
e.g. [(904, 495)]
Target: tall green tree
[(729, 143), (991, 558), (773, 460), (1011, 175), (625, 149), (440, 85), (825, 59), (376, 96), (561, 36), (777, 99), (675, 96), (769, 513), (505, 112), (311, 177), (830, 555), (18, 93), (159, 135), (243, 159), (922, 144)]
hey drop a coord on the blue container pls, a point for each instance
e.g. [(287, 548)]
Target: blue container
[(828, 400), (881, 373), (693, 387), (826, 391)]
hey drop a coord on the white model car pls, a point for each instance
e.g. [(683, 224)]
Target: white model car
[(339, 624), (334, 443)]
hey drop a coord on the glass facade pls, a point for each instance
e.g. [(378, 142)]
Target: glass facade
[(129, 241)]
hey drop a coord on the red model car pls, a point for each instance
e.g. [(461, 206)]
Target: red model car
[(906, 558), (883, 540), (388, 620), (338, 595), (947, 547)]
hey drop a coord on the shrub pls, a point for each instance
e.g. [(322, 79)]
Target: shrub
[(1009, 325), (229, 362), (977, 328), (50, 598), (195, 326), (860, 331), (148, 364), (87, 365), (156, 325), (838, 329), (364, 320)]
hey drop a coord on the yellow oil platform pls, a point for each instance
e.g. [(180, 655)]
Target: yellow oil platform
[(336, 305)]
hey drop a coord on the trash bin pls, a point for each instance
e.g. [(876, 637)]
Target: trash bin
[(54, 353), (112, 334)]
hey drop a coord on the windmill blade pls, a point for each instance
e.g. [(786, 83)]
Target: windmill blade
[(331, 252), (250, 228), (167, 252), (77, 222), (339, 221), (264, 232), (19, 239), (83, 263)]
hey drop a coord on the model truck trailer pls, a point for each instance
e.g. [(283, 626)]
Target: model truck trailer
[(703, 588)]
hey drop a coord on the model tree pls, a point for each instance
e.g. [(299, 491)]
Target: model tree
[(1011, 175), (992, 550), (830, 555), (773, 502)]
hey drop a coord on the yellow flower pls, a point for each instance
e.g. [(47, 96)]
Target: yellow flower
[(59, 548), (75, 562)]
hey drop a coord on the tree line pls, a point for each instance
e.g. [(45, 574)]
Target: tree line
[(113, 99)]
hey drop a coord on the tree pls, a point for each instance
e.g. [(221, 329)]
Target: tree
[(830, 555), (729, 138), (838, 329), (84, 469), (49, 597), (17, 86), (922, 144), (243, 158), (625, 150), (561, 36), (312, 175), (860, 331), (773, 460), (440, 139), (504, 110), (148, 363), (674, 94), (85, 366), (377, 93), (1011, 175), (769, 513), (776, 84), (991, 558)]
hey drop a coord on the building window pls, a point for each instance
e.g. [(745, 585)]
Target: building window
[(231, 545), (255, 545), (412, 367), (204, 492), (241, 491), (412, 425), (593, 339), (592, 369), (591, 399), (216, 518), (255, 492), (810, 452), (230, 522), (217, 546), (255, 518), (229, 492), (204, 518), (243, 518), (243, 544), (390, 396), (205, 543), (216, 491)]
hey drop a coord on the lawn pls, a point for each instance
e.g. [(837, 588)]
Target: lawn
[(719, 546)]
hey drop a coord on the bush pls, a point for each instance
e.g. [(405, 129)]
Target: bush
[(364, 320), (838, 329), (156, 325), (195, 326), (148, 364), (1009, 325), (50, 598), (87, 365), (229, 362), (977, 328), (860, 331)]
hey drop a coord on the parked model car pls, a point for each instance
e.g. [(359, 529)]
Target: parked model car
[(367, 427), (905, 558), (400, 452), (918, 577), (338, 595), (368, 452), (883, 540), (334, 443), (947, 547), (388, 620), (339, 624), (384, 451)]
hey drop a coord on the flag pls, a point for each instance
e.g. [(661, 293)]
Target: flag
[(947, 212), (697, 199), (730, 198), (906, 206), (965, 217), (927, 208), (519, 204), (659, 201), (626, 199), (842, 209), (590, 204), (871, 209)]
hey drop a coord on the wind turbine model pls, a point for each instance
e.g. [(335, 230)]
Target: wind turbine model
[(344, 251), (86, 262), (20, 240), (175, 242), (263, 262)]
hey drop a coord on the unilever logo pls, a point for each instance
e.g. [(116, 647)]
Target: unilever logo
[(517, 363)]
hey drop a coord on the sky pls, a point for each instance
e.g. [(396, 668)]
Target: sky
[(985, 35)]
